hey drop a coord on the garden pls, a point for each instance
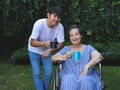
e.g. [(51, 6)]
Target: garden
[(19, 77), (100, 20)]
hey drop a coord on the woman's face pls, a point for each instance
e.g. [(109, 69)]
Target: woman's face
[(75, 36), (53, 19)]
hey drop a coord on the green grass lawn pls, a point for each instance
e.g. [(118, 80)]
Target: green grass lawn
[(111, 77), (19, 77)]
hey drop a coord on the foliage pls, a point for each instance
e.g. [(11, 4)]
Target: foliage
[(20, 56), (99, 18), (113, 50), (109, 51), (95, 16), (99, 46)]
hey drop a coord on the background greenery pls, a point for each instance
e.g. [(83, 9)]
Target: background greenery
[(110, 52), (99, 18)]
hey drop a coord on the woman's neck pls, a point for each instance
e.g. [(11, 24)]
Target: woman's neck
[(77, 46)]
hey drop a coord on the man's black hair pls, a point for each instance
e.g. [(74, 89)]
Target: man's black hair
[(58, 10)]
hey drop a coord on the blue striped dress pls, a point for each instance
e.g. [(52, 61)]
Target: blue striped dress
[(71, 70)]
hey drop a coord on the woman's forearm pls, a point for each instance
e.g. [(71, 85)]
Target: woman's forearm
[(58, 57), (95, 60)]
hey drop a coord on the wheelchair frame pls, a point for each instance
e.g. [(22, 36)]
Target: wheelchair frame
[(57, 83)]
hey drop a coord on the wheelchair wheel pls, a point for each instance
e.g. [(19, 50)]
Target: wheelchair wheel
[(56, 85)]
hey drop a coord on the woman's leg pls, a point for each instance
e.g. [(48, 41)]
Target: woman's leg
[(35, 63), (86, 83), (69, 82), (47, 63)]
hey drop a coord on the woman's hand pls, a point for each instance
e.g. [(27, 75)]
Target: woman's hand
[(68, 54), (84, 72)]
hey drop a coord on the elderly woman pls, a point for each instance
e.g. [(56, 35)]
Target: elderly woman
[(80, 74)]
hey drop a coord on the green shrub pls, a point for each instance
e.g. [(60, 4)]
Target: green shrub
[(114, 47), (100, 47), (110, 51), (20, 56)]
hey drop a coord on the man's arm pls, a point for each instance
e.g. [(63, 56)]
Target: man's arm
[(36, 43)]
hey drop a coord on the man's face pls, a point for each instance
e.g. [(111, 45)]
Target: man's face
[(54, 19)]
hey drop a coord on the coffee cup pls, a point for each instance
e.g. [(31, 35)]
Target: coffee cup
[(76, 56), (53, 44)]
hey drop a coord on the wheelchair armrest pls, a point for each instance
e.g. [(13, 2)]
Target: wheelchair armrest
[(100, 69), (60, 64)]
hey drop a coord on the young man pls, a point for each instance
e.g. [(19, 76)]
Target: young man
[(44, 31)]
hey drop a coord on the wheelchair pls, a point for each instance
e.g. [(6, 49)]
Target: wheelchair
[(57, 83)]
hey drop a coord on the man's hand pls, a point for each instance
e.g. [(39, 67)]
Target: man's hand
[(46, 53), (46, 44)]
